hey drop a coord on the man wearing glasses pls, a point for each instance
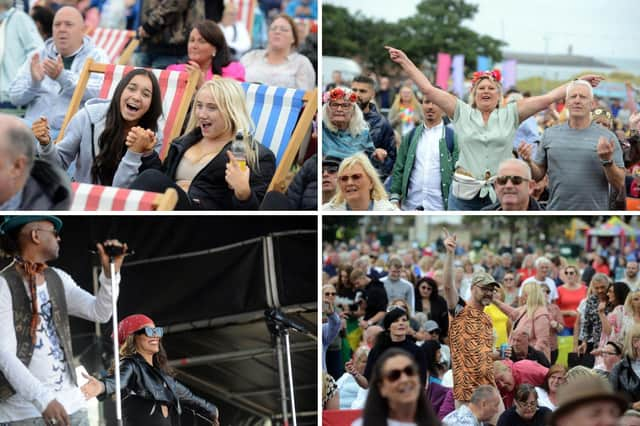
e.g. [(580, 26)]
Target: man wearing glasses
[(514, 186), (330, 167), (37, 373)]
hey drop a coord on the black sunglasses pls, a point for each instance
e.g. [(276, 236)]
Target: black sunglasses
[(150, 331), (393, 375), (330, 169), (516, 180)]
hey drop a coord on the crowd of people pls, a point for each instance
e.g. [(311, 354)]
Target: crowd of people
[(500, 150), (116, 141), (453, 335)]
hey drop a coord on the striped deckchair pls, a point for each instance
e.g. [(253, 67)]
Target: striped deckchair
[(283, 120), (114, 41), (87, 197), (177, 89), (245, 12)]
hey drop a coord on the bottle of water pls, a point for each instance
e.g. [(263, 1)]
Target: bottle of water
[(238, 150)]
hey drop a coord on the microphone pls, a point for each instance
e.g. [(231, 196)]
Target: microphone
[(277, 316), (113, 251)]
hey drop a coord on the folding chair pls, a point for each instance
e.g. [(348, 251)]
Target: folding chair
[(283, 119), (176, 87), (113, 42), (245, 12), (88, 197)]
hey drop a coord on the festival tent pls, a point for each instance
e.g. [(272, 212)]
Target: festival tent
[(209, 281), (614, 231)]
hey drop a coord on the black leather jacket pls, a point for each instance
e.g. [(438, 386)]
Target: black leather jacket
[(148, 382), (623, 379)]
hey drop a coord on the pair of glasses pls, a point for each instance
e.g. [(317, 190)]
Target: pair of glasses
[(425, 288), (393, 375), (525, 404), (516, 180), (609, 353), (508, 279), (600, 111), (434, 332), (486, 289), (333, 293), (281, 28), (150, 331), (570, 273), (336, 105), (354, 177), (53, 231), (330, 169)]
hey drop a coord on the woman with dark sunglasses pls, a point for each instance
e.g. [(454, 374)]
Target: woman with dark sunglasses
[(396, 396), (150, 394)]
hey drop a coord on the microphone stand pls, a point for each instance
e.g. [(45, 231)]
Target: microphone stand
[(116, 351)]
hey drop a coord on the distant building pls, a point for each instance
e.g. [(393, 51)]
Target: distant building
[(555, 67)]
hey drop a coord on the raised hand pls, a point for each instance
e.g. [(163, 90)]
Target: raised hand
[(193, 66), (140, 140), (53, 67), (449, 241), (634, 121), (605, 148), (525, 151), (397, 55), (37, 72), (593, 79), (104, 257), (41, 130)]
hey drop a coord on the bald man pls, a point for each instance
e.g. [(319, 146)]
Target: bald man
[(27, 183), (47, 79)]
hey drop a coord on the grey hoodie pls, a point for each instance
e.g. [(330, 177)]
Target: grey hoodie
[(77, 145), (51, 98)]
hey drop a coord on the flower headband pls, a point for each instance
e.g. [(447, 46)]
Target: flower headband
[(495, 75), (339, 93)]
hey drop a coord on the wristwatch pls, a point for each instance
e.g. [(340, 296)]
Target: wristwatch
[(606, 163)]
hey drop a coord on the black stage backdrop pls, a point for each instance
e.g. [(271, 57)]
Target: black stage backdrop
[(213, 269)]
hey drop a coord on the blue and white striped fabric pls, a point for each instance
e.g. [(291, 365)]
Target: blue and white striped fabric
[(274, 111)]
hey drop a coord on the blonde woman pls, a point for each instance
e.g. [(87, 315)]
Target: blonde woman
[(359, 187), (532, 317), (405, 112), (624, 377), (200, 165)]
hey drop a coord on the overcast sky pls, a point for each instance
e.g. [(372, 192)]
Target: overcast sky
[(594, 27)]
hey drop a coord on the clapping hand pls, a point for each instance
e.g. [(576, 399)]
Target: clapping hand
[(53, 67), (525, 151), (634, 121), (37, 72), (192, 66), (605, 148)]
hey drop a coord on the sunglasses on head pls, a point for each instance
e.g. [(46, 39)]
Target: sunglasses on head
[(516, 180), (394, 375), (354, 177), (150, 331)]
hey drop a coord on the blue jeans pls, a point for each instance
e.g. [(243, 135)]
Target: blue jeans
[(476, 203), (79, 418)]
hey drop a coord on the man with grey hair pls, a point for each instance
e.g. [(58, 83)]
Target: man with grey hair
[(514, 187), (483, 407), (19, 36), (543, 266), (578, 178), (27, 183)]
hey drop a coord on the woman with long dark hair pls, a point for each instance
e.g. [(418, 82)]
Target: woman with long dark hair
[(150, 394), (432, 304), (208, 53), (109, 140), (396, 395)]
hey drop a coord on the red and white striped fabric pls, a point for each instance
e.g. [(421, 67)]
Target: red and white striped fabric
[(245, 12), (112, 41), (87, 197), (173, 85)]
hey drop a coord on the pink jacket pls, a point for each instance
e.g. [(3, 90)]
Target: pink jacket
[(537, 327), (525, 371), (234, 70)]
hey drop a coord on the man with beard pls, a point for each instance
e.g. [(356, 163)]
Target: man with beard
[(470, 331), (380, 130), (514, 187), (426, 160), (583, 159), (631, 276)]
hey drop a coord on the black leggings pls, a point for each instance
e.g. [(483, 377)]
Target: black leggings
[(153, 180)]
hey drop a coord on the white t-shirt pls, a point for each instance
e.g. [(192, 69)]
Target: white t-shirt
[(424, 184)]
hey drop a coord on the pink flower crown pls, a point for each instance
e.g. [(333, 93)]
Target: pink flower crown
[(494, 75), (339, 93)]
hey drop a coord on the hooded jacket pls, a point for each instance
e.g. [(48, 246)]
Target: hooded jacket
[(383, 137), (80, 143), (51, 98)]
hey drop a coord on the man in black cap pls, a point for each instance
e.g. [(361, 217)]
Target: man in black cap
[(330, 167), (37, 375)]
